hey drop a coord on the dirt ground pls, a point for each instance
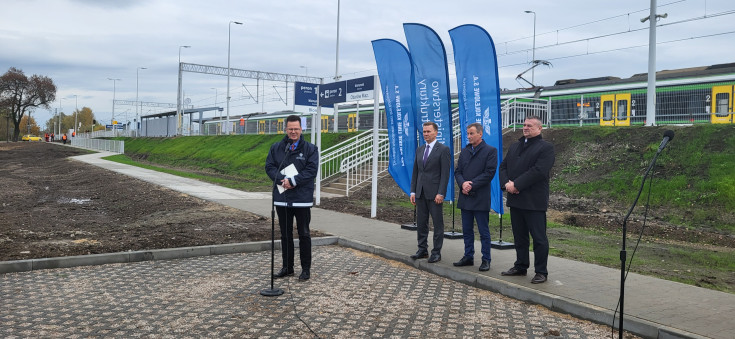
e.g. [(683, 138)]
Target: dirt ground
[(563, 209), (54, 206)]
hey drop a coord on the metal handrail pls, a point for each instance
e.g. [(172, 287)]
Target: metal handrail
[(348, 141), (515, 110), (360, 170), (331, 158), (365, 155), (114, 146)]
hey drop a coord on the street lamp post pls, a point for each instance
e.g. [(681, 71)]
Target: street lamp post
[(178, 94), (137, 118), (533, 53), (336, 61), (306, 70), (229, 34), (76, 113), (219, 114), (58, 130), (114, 89)]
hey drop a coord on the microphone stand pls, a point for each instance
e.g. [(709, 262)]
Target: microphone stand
[(274, 292), (623, 253)]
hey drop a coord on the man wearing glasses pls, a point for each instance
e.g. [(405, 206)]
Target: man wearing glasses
[(292, 164)]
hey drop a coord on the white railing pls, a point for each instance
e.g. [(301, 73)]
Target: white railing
[(515, 111), (456, 132), (109, 134), (115, 146), (345, 157), (359, 167), (331, 158)]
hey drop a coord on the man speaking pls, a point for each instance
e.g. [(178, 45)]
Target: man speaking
[(292, 164)]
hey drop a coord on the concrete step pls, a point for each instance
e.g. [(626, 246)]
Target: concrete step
[(338, 185), (333, 190)]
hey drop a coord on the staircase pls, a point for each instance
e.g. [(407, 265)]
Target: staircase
[(362, 175), (347, 166)]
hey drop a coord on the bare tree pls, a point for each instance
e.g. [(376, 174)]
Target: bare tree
[(21, 94)]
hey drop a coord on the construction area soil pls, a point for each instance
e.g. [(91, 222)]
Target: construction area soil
[(54, 206)]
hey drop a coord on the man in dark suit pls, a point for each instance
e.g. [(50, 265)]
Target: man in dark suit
[(428, 188), (475, 169), (524, 174)]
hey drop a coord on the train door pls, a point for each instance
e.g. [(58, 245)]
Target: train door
[(615, 109), (325, 124), (352, 122), (279, 126), (722, 104), (261, 126)]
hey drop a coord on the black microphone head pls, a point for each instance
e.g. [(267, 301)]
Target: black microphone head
[(669, 134)]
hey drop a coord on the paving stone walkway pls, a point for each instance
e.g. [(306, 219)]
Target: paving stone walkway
[(351, 295)]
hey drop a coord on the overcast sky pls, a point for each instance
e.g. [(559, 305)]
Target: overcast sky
[(81, 43)]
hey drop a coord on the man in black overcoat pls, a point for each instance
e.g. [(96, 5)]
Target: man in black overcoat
[(524, 174)]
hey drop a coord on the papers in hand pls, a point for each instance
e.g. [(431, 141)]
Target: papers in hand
[(290, 172)]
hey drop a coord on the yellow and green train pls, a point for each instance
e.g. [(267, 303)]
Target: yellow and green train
[(683, 96)]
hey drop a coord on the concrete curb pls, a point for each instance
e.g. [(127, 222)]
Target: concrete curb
[(137, 256)]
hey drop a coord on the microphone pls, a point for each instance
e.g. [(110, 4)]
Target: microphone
[(668, 136), (290, 143)]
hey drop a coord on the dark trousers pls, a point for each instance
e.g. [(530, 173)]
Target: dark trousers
[(424, 208), (468, 232), (533, 222), (286, 217)]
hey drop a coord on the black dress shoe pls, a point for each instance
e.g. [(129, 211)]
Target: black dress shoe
[(485, 266), (465, 261), (283, 272), (420, 255), (538, 278), (305, 275), (513, 272), (435, 258)]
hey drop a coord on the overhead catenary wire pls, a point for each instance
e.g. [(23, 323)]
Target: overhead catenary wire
[(596, 37), (272, 96)]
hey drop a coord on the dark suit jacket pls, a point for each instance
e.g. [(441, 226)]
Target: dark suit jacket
[(479, 167), (528, 165), (433, 178)]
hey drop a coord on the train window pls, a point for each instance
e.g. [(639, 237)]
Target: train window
[(607, 110), (622, 109), (722, 103)]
